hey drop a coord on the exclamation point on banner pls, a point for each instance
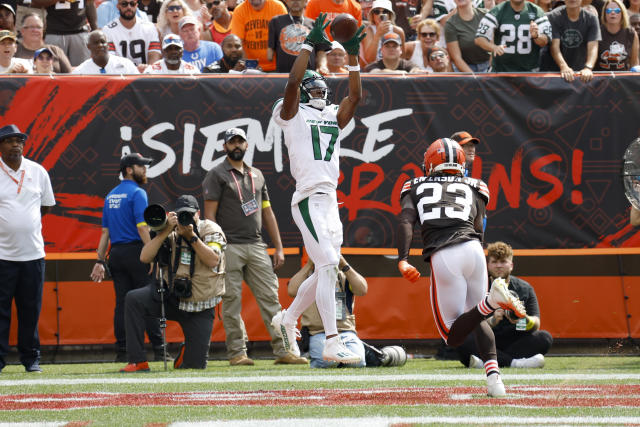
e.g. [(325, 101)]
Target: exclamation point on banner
[(576, 175)]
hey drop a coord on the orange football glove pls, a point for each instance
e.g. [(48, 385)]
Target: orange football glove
[(408, 271)]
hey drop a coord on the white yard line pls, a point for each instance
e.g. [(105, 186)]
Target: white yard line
[(351, 379), (383, 422)]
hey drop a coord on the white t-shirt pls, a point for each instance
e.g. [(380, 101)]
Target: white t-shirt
[(160, 67), (312, 138), (25, 63), (20, 219), (115, 65), (134, 43)]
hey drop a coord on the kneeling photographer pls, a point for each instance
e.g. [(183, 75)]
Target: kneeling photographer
[(190, 254)]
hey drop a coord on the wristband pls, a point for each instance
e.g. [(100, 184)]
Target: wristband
[(352, 67), (100, 261), (193, 240), (530, 324), (306, 46), (345, 268)]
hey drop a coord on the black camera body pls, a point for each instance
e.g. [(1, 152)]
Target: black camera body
[(186, 218), (182, 287)]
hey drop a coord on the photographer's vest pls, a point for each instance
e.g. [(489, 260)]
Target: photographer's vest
[(345, 319), (206, 282)]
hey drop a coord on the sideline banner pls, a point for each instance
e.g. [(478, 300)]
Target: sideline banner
[(550, 151)]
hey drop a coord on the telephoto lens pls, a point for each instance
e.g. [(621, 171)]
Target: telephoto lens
[(185, 218)]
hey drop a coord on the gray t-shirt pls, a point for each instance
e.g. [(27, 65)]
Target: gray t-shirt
[(219, 185), (573, 36), (464, 32)]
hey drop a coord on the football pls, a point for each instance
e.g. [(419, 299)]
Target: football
[(343, 27)]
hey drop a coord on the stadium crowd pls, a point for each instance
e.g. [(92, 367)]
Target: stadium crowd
[(573, 37)]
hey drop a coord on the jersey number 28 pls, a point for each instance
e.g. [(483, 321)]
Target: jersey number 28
[(430, 193)]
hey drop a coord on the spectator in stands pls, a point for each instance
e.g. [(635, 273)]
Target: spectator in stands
[(199, 53), (514, 32), (108, 11), (286, 34), (196, 8), (634, 217), (519, 342), (220, 25), (460, 33), (634, 7), (337, 59), (151, 8), (439, 60), (132, 38), (350, 284), (171, 12), (32, 40), (66, 25), (43, 61), (236, 197), (392, 62), (171, 62), (7, 17), (405, 10), (232, 61), (382, 20), (468, 144), (333, 8), (8, 62), (250, 22), (618, 49), (569, 50), (101, 61), (634, 21), (417, 51), (545, 5)]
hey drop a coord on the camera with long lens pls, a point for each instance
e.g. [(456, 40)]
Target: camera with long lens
[(156, 217), (182, 287)]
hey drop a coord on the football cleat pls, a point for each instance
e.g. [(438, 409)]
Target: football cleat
[(335, 351), (288, 333), (495, 386), (499, 296)]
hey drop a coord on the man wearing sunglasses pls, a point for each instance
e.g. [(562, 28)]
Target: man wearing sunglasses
[(66, 24), (171, 62), (574, 47), (220, 17), (108, 11), (133, 39)]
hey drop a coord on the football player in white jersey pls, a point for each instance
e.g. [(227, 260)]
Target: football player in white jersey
[(450, 208), (131, 38), (312, 126), (171, 62)]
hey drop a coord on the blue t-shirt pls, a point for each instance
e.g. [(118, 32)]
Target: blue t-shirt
[(123, 211), (207, 53)]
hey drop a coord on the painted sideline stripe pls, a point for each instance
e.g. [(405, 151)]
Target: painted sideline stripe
[(140, 379), (383, 422)]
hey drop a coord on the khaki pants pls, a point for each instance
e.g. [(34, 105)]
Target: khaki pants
[(249, 261)]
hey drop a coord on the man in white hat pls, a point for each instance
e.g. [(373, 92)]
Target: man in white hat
[(198, 53), (172, 62)]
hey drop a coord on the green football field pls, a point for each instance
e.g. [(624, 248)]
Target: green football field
[(568, 391)]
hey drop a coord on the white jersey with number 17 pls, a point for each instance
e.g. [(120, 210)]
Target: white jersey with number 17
[(312, 138)]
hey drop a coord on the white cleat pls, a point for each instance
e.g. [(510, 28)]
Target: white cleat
[(499, 296), (495, 386), (532, 362), (335, 351), (288, 334), (475, 362)]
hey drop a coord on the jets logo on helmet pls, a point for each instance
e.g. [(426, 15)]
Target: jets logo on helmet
[(314, 90), (444, 156)]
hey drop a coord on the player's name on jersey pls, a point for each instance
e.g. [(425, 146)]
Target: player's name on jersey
[(321, 122), (445, 178)]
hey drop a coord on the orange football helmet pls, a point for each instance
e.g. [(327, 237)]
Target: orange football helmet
[(446, 156)]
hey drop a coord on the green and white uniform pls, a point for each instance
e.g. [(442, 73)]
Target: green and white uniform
[(507, 27)]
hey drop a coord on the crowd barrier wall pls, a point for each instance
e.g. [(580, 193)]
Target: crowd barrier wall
[(550, 153)]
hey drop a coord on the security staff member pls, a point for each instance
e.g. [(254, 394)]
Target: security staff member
[(194, 273), (123, 224)]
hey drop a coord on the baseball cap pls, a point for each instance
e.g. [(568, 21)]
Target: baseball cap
[(134, 159), (42, 49), (230, 133), (189, 19), (171, 40), (8, 6), (187, 203), (463, 137), (391, 37), (336, 45), (6, 34)]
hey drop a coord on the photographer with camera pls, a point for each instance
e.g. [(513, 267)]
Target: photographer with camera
[(190, 255), (520, 343)]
